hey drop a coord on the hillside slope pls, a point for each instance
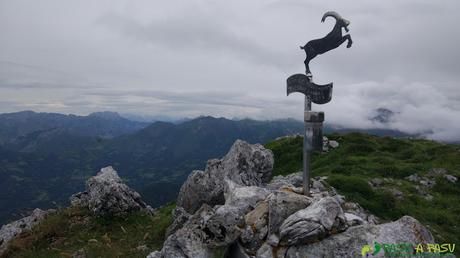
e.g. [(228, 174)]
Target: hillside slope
[(374, 171), (154, 160)]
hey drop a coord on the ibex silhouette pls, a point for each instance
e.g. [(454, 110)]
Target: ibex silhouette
[(332, 40)]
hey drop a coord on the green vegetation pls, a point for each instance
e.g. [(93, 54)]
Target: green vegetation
[(361, 157), (71, 229)]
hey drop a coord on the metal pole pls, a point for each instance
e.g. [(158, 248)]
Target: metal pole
[(307, 147)]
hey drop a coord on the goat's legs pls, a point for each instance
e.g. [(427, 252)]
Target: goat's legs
[(311, 53), (347, 37)]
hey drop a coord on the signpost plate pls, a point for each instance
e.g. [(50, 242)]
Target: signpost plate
[(318, 94)]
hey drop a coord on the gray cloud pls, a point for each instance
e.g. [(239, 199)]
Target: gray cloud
[(231, 58)]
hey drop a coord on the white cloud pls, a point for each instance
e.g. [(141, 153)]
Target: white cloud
[(231, 58)]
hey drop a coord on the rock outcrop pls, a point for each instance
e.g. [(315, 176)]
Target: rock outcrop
[(244, 164), (107, 195), (349, 243), (230, 206), (13, 229)]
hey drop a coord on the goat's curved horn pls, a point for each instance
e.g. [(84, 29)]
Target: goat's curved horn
[(332, 14)]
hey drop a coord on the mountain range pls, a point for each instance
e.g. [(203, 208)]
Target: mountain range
[(45, 157)]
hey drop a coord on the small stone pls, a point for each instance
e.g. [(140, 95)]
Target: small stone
[(273, 240), (325, 144), (413, 178), (333, 144), (427, 182), (376, 182), (451, 178), (397, 194)]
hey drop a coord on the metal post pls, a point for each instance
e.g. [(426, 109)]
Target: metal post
[(307, 147)]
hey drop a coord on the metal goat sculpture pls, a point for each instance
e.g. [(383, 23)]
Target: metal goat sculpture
[(331, 41)]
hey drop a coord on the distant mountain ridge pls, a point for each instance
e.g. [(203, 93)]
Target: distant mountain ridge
[(28, 131), (47, 156), (100, 124)]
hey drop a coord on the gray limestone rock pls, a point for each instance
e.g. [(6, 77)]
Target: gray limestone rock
[(107, 195), (421, 180), (281, 205), (325, 144), (376, 182), (188, 241), (353, 220), (313, 223), (265, 251), (289, 181), (13, 229), (256, 227), (451, 178), (333, 144), (245, 164), (348, 244), (357, 210), (179, 217)]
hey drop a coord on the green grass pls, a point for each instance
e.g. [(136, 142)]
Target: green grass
[(361, 157), (358, 159), (71, 229)]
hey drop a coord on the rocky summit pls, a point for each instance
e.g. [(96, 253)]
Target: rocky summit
[(107, 195), (234, 208), (233, 205)]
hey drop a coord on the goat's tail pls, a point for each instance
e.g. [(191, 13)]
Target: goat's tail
[(302, 47)]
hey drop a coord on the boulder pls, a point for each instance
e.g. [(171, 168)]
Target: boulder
[(107, 195), (244, 197), (313, 223), (281, 205), (245, 164), (13, 229), (256, 228), (349, 243), (357, 210), (289, 181), (179, 217), (188, 241)]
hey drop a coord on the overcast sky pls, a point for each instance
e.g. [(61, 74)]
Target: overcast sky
[(231, 58)]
